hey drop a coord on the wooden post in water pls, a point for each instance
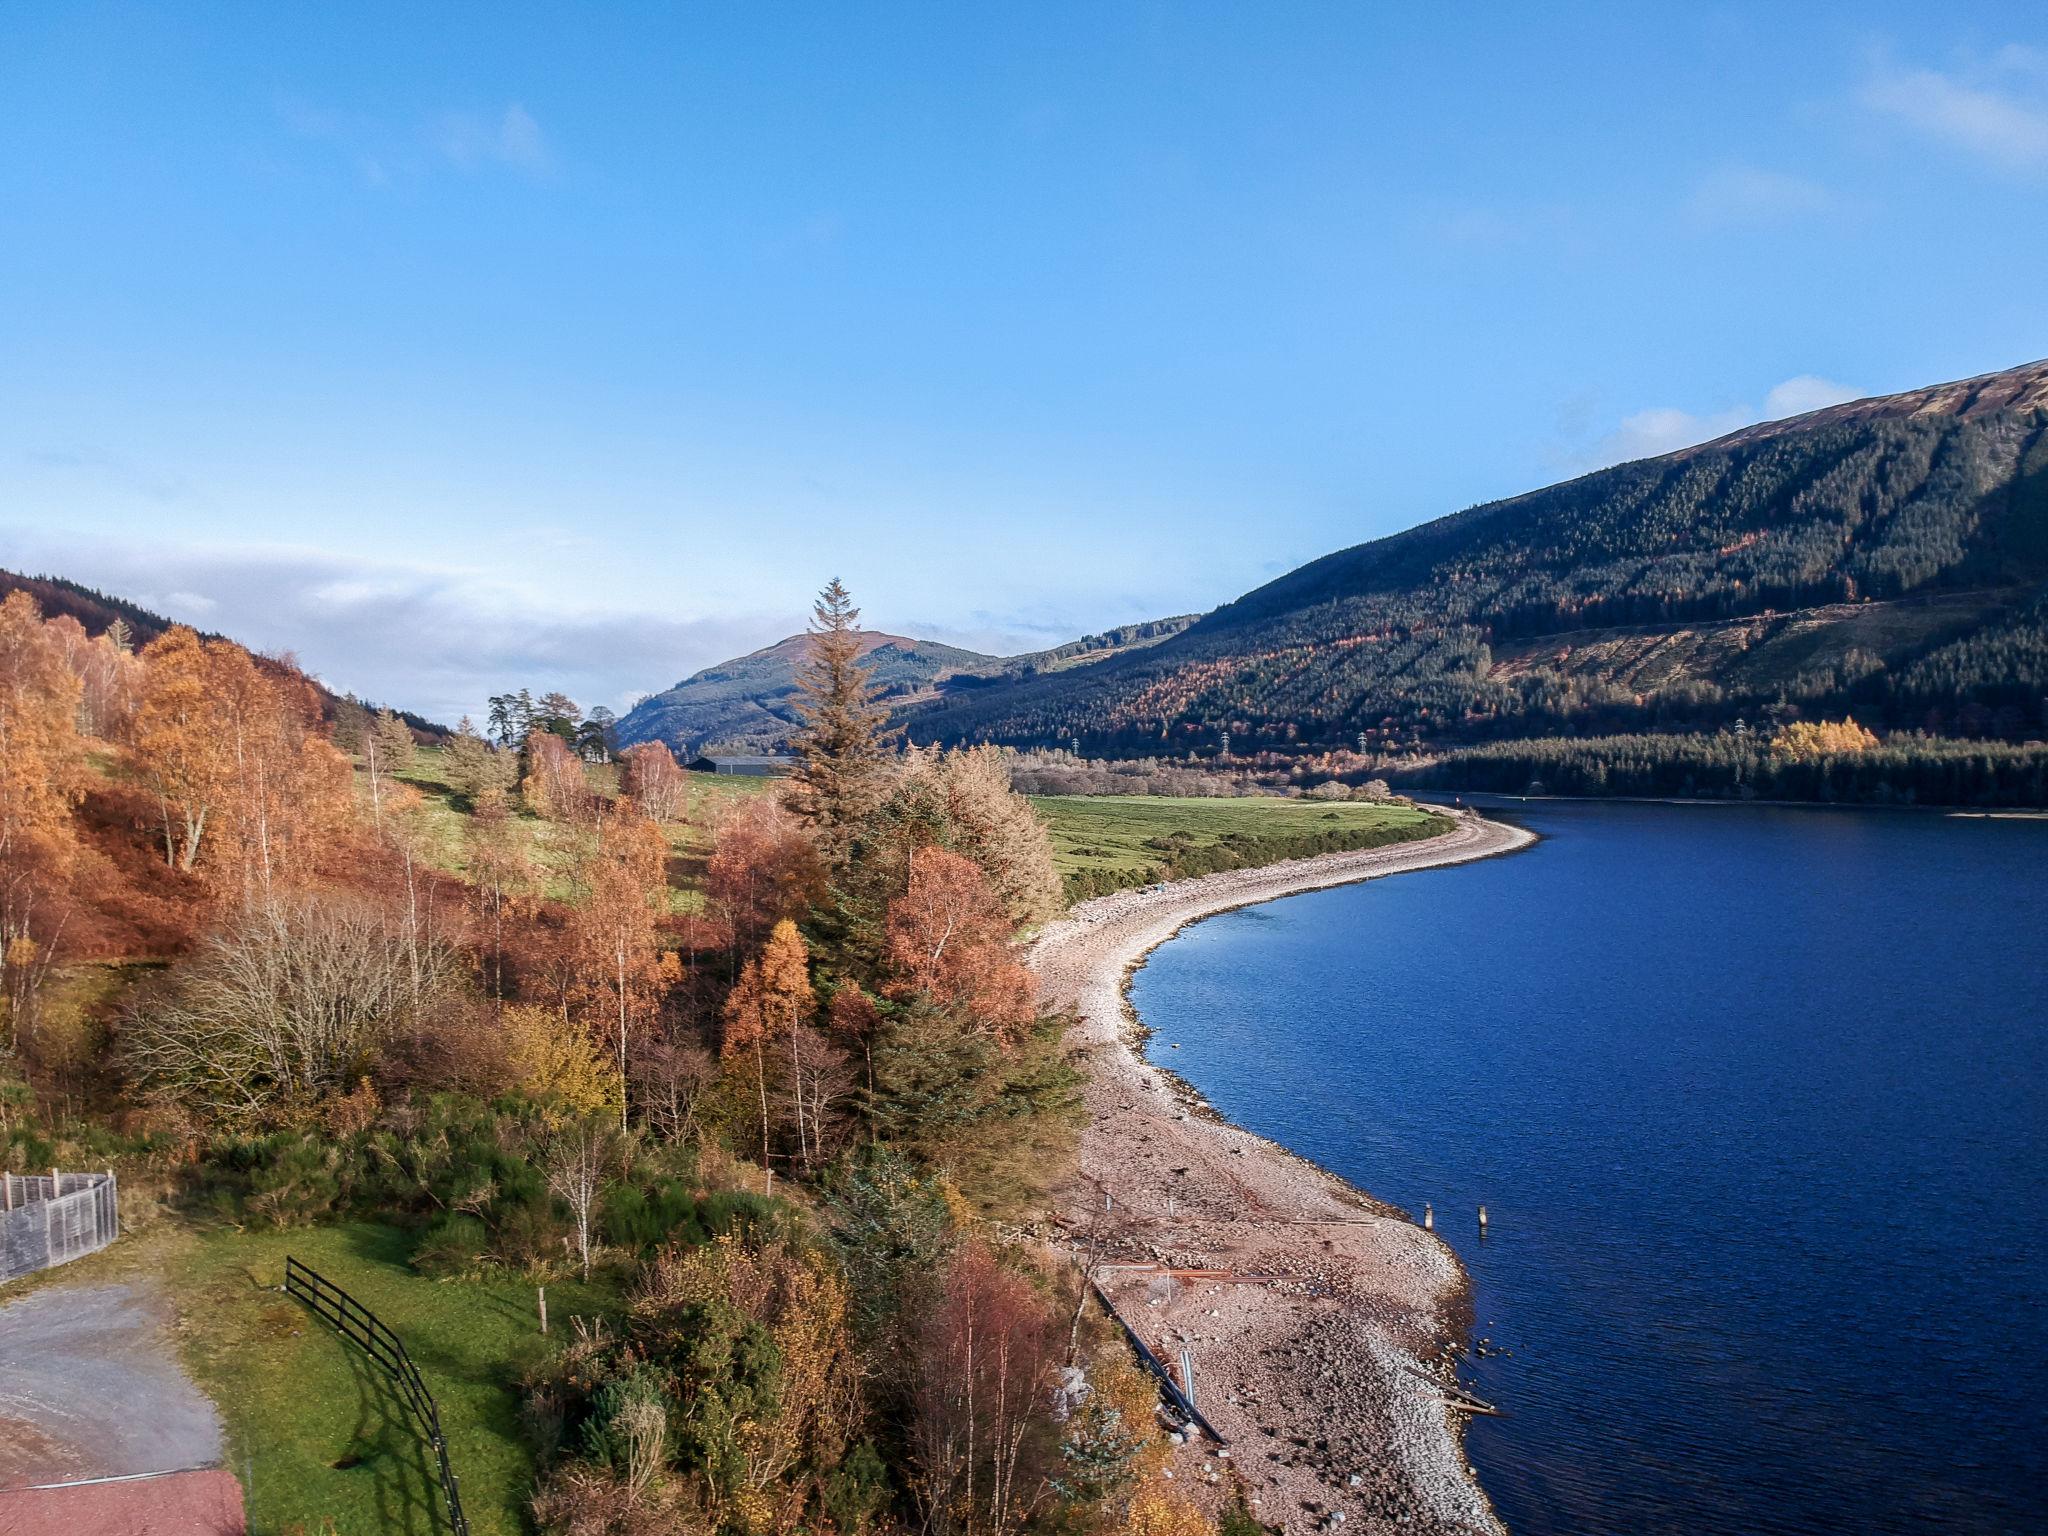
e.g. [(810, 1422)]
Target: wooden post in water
[(1482, 1220), (542, 1292), (1428, 1217)]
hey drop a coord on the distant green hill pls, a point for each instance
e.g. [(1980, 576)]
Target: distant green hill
[(1887, 557), (750, 702)]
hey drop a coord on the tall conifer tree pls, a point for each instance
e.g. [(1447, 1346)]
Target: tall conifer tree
[(841, 745)]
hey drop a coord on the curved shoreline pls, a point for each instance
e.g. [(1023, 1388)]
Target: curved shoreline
[(1314, 1302)]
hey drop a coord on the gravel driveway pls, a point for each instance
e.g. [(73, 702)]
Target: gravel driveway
[(91, 1386)]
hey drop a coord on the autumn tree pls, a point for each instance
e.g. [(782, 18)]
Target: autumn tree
[(555, 786), (178, 742), (474, 768), (289, 1003), (668, 1076), (41, 768), (763, 869), (620, 970), (980, 1435), (106, 672), (283, 795), (233, 753), (500, 873), (852, 1020), (842, 747), (648, 772), (409, 833), (949, 940), (1001, 831), (772, 998), (553, 1062), (1805, 740), (962, 800)]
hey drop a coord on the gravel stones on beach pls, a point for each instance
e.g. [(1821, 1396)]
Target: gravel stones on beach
[(1300, 1344)]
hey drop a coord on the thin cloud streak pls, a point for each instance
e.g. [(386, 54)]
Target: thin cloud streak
[(1664, 429), (1972, 114)]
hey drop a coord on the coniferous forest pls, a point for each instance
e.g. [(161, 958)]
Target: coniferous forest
[(1886, 561)]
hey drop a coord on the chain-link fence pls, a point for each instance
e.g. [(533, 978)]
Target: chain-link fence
[(53, 1218)]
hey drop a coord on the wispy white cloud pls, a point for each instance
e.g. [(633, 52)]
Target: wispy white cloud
[(1664, 429), (383, 154), (472, 141), (1748, 196), (1996, 110), (436, 639), (1807, 392)]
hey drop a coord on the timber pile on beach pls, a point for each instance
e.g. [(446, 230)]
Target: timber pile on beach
[(1300, 1302)]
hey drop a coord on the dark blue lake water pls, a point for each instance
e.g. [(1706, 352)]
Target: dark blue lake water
[(1758, 1103)]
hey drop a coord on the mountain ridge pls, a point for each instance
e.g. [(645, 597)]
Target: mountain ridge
[(1826, 560), (749, 702)]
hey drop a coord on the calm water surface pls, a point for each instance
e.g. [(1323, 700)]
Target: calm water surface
[(1757, 1101)]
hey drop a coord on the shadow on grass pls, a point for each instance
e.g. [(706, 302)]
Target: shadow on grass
[(389, 1446)]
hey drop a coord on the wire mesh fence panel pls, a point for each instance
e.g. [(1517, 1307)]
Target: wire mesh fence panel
[(55, 1218)]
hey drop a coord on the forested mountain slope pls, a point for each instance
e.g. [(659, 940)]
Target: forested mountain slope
[(1887, 557), (750, 703)]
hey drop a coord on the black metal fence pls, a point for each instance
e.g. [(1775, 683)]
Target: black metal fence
[(359, 1325)]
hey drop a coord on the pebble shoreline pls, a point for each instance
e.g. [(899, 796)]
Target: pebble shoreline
[(1317, 1299)]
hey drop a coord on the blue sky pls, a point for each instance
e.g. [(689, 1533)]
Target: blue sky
[(460, 348)]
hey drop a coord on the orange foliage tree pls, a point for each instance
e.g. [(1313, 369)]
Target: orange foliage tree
[(284, 792), (949, 940), (177, 741), (763, 869), (41, 767), (772, 999), (648, 773), (500, 873), (234, 754), (620, 969), (555, 786), (1804, 740), (979, 1435)]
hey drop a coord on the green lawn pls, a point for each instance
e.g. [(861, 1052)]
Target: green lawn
[(317, 1433), (1104, 843)]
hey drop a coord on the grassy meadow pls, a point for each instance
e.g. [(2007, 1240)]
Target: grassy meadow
[(1101, 843), (317, 1433), (1104, 843), (548, 844)]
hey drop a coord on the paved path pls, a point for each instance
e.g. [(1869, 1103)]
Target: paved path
[(91, 1386)]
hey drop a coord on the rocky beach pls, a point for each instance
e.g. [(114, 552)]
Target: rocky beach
[(1318, 1323)]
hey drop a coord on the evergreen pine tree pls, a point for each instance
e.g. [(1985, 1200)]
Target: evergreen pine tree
[(841, 744)]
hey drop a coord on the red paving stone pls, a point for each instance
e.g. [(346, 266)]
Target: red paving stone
[(176, 1504)]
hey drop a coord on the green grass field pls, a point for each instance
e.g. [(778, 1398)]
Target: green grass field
[(1100, 843), (318, 1434), (551, 847), (1104, 843)]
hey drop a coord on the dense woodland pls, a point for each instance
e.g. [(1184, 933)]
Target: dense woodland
[(783, 1096), (1784, 765), (1895, 568)]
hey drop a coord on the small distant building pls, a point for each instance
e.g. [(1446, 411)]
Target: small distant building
[(759, 766)]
